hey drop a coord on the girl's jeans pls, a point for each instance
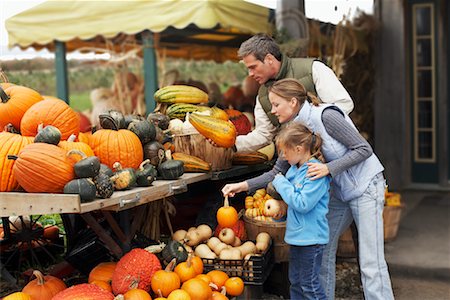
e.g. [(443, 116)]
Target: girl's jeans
[(367, 211), (304, 267)]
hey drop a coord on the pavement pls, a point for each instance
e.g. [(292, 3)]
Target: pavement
[(419, 257)]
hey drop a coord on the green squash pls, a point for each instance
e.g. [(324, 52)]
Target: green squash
[(171, 169), (104, 186), (131, 118), (104, 169), (174, 249), (112, 119), (154, 151), (123, 178), (85, 187), (49, 134), (145, 130), (159, 120), (87, 167), (146, 173)]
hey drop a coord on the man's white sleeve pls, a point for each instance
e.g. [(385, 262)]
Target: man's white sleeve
[(261, 136), (329, 88)]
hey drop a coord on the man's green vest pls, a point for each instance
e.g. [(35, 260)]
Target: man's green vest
[(298, 68)]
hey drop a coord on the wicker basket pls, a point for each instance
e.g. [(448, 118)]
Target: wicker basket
[(197, 145), (276, 231)]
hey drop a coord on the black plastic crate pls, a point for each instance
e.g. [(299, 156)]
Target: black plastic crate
[(253, 271)]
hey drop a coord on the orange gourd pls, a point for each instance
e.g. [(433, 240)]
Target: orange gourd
[(53, 112), (43, 168), (103, 272), (227, 216), (165, 281), (84, 291), (70, 144), (137, 294), (18, 296), (84, 137), (222, 133), (11, 144), (43, 287), (234, 286), (179, 295), (197, 289), (121, 146), (186, 270), (15, 101), (218, 277), (103, 284)]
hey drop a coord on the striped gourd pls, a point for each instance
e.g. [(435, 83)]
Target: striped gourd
[(181, 94), (249, 158), (222, 133), (192, 163), (179, 110)]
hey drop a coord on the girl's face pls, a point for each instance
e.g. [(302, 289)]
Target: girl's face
[(295, 156), (284, 110)]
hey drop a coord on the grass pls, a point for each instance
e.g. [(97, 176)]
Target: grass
[(80, 101)]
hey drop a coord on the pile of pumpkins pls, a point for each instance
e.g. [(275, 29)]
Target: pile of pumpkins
[(139, 274), (265, 205)]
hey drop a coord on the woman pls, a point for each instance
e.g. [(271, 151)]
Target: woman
[(357, 189)]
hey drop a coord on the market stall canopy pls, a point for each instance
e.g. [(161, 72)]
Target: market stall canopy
[(200, 29)]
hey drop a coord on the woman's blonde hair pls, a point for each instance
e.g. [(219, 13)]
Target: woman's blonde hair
[(297, 134), (289, 88)]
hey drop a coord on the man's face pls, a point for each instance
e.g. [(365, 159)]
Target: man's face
[(260, 71)]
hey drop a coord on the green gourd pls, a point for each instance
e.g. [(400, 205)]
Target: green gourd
[(87, 167), (146, 173), (123, 178), (48, 134), (104, 186), (145, 130), (174, 249), (84, 187)]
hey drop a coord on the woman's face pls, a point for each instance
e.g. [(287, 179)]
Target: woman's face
[(284, 110)]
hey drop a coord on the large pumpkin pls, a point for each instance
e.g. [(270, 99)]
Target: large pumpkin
[(11, 143), (121, 146), (43, 168), (135, 270), (44, 287), (54, 112), (84, 291), (15, 101)]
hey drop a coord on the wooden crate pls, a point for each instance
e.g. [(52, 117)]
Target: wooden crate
[(197, 145)]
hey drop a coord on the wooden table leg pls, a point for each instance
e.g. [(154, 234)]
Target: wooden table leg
[(114, 226), (103, 235)]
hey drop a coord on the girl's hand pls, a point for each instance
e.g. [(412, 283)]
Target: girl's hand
[(232, 188), (317, 170)]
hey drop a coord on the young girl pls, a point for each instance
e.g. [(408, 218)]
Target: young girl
[(307, 200)]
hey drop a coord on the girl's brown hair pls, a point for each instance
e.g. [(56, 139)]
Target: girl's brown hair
[(289, 88), (297, 134)]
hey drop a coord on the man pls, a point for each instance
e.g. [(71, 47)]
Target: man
[(266, 64)]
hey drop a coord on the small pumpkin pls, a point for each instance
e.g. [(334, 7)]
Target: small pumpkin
[(218, 277), (123, 178), (87, 167), (103, 284), (234, 286), (112, 119), (104, 186), (43, 287), (145, 130), (146, 173), (136, 294), (179, 294), (165, 281), (51, 232), (84, 291), (102, 272), (197, 289), (48, 134), (174, 249), (227, 216), (84, 187), (18, 296), (186, 270), (70, 144)]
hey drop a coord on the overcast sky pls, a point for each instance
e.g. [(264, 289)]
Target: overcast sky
[(325, 10)]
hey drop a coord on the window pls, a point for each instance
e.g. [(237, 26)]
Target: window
[(424, 83)]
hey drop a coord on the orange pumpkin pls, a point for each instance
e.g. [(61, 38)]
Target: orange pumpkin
[(204, 277), (227, 216), (43, 287), (179, 295), (103, 284), (11, 143), (186, 270), (53, 112), (198, 264), (18, 296), (218, 277), (103, 272), (234, 286), (121, 146), (84, 291), (51, 232), (43, 168), (137, 294), (15, 101), (219, 295), (84, 137), (197, 289), (70, 144), (165, 281)]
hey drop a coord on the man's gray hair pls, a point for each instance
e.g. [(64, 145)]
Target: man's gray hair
[(260, 45)]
